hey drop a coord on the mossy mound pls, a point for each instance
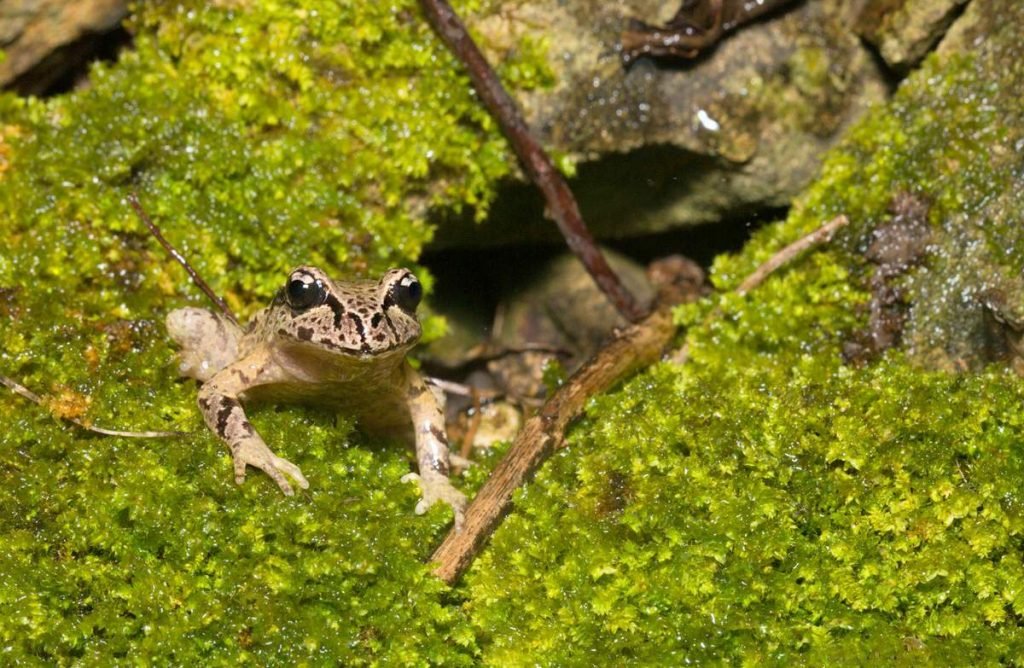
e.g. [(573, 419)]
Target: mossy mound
[(769, 502), (259, 136)]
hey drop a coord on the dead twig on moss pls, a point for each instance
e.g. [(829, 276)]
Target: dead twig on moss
[(635, 347), (561, 204), (786, 255), (818, 236), (23, 391), (133, 199)]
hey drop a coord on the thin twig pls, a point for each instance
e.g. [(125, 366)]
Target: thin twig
[(489, 352), (764, 270), (633, 348), (464, 390), (20, 389), (133, 199), (815, 238), (561, 204)]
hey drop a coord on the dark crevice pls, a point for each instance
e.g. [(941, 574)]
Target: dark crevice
[(476, 265), (891, 76), (641, 188), (66, 68), (474, 280)]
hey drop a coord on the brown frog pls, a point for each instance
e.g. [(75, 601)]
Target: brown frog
[(341, 343)]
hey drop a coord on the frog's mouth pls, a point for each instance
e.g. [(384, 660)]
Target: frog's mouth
[(329, 348)]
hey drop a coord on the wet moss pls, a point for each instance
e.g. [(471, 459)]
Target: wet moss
[(259, 136), (768, 503)]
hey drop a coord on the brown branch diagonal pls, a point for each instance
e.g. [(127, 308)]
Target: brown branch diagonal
[(561, 204), (634, 348)]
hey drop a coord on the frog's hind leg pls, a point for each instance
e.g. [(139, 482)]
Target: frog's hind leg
[(209, 341), (432, 455)]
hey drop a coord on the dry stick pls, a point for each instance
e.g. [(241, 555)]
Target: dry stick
[(561, 204), (133, 199), (20, 389), (635, 347), (818, 236)]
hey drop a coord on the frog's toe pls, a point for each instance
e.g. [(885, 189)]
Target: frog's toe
[(268, 466), (260, 456), (438, 488), (293, 471), (239, 464)]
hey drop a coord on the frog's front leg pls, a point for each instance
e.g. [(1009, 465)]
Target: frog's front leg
[(218, 401), (432, 454)]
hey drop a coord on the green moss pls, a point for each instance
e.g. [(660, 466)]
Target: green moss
[(795, 512), (259, 135), (766, 503)]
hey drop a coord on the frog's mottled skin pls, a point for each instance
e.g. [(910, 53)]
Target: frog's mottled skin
[(322, 341)]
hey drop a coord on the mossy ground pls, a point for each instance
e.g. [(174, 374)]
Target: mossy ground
[(764, 503)]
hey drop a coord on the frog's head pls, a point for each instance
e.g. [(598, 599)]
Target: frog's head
[(350, 317)]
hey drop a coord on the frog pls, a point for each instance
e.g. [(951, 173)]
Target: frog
[(321, 341)]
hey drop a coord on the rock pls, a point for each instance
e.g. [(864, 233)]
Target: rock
[(905, 30), (43, 39), (676, 143), (949, 142)]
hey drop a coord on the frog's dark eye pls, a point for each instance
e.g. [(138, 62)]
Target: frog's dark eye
[(407, 293), (304, 291)]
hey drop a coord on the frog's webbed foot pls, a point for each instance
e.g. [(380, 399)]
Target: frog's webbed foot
[(256, 453), (460, 462), (434, 488)]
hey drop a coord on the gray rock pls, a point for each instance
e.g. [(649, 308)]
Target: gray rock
[(43, 39), (670, 144)]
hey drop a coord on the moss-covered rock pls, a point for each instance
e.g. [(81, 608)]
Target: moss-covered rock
[(259, 135), (769, 502)]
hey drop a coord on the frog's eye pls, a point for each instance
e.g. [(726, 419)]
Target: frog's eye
[(407, 293), (304, 291)]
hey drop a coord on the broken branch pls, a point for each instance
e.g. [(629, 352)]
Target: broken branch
[(698, 25), (635, 347)]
